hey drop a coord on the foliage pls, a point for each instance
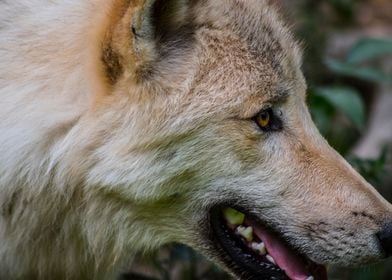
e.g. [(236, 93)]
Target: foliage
[(329, 100), (373, 170), (369, 48), (339, 99), (365, 51)]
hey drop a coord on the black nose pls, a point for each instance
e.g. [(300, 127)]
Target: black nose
[(385, 237)]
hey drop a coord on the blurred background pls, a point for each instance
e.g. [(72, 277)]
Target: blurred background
[(348, 66)]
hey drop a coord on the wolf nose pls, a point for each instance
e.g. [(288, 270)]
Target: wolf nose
[(385, 237)]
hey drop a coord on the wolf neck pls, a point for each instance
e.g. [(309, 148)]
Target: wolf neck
[(54, 77), (83, 218)]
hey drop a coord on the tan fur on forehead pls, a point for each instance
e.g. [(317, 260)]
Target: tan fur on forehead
[(261, 27), (241, 80), (229, 50)]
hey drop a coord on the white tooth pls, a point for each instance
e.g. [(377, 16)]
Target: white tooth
[(245, 232), (259, 247), (262, 249), (270, 259), (239, 229), (310, 278), (254, 246)]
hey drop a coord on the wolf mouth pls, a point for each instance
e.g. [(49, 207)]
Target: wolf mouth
[(255, 252)]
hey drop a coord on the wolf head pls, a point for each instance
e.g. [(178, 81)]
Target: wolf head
[(205, 111)]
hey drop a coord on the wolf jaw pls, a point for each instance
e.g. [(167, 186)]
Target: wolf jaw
[(257, 250)]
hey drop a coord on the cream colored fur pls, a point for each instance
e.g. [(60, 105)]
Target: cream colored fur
[(92, 173)]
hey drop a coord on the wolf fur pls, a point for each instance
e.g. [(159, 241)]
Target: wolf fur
[(123, 122)]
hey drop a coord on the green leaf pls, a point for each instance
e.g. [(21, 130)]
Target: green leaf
[(345, 8), (364, 73), (369, 48), (372, 169), (322, 112), (321, 119), (346, 100)]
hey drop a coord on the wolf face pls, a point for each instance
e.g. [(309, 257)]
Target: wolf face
[(192, 109)]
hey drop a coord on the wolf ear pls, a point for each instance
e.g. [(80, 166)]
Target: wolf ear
[(155, 23)]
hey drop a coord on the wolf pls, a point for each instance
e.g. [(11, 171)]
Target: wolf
[(129, 124)]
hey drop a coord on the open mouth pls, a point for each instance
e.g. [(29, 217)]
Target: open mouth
[(254, 252)]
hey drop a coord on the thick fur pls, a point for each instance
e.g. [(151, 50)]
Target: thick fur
[(123, 122)]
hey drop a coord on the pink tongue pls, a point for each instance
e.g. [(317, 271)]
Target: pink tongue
[(294, 267)]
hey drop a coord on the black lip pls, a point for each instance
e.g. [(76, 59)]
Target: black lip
[(241, 259)]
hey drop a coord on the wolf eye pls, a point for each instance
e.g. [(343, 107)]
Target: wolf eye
[(268, 121), (263, 119)]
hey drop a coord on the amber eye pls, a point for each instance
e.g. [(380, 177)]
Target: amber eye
[(263, 119), (268, 121)]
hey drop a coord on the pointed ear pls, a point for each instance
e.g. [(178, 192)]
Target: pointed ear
[(156, 23)]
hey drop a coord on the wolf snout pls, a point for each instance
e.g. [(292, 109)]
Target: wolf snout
[(385, 237)]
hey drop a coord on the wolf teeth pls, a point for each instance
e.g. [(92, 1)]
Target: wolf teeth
[(310, 278), (270, 259), (259, 247), (233, 217), (245, 232)]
